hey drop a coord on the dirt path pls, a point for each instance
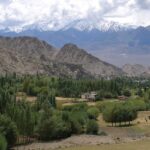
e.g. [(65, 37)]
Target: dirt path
[(80, 140)]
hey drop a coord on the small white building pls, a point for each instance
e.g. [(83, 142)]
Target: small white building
[(89, 96)]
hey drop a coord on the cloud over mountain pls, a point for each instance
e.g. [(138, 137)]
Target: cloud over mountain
[(56, 14)]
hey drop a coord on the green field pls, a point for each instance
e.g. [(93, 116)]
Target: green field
[(138, 145)]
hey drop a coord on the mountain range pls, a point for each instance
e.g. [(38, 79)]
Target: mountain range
[(29, 55), (115, 43)]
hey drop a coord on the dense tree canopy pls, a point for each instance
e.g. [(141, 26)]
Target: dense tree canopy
[(121, 112), (42, 119)]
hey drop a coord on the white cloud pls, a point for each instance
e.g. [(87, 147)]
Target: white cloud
[(55, 14)]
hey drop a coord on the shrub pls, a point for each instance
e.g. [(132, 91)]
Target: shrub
[(92, 127), (76, 127), (53, 128), (140, 93), (99, 96), (61, 129), (102, 105), (93, 113), (108, 95), (127, 93), (138, 104), (78, 121)]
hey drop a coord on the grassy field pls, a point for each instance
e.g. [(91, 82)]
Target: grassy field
[(138, 145), (61, 101), (24, 96)]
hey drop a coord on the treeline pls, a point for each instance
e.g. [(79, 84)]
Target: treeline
[(35, 85)]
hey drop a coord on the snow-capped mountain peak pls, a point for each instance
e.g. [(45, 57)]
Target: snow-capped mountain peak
[(88, 25), (81, 25)]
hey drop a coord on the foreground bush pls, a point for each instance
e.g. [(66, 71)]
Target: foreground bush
[(53, 128), (57, 128)]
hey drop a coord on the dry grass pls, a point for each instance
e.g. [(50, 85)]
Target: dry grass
[(143, 117), (23, 96), (64, 99), (73, 103), (143, 122), (61, 102)]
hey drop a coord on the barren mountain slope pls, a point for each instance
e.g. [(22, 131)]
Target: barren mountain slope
[(136, 70), (72, 54), (27, 55)]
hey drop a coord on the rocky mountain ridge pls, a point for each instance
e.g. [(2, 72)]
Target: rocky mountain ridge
[(27, 55), (70, 53)]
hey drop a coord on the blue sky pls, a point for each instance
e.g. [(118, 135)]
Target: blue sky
[(55, 14)]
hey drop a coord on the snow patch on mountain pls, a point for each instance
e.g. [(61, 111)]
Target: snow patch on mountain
[(81, 25)]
